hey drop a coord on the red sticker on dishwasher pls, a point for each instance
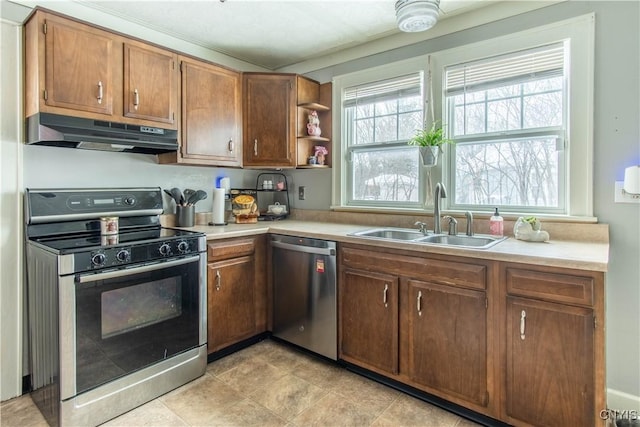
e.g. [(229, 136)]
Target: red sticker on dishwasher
[(319, 266)]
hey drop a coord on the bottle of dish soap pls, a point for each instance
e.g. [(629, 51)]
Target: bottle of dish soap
[(496, 224)]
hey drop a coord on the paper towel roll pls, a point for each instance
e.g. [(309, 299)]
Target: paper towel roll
[(632, 180), (218, 205)]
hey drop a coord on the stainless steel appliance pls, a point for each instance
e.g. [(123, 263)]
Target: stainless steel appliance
[(75, 132), (114, 320), (304, 293)]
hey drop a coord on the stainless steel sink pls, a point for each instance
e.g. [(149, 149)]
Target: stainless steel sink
[(391, 234), (462, 240), (479, 241)]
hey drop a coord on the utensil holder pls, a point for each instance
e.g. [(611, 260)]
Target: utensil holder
[(185, 216)]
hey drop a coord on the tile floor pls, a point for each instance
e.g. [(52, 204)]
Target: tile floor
[(268, 384)]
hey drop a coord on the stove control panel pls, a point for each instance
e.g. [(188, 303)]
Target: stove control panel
[(122, 255)]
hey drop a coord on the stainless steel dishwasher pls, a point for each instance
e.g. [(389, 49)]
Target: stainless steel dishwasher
[(304, 293)]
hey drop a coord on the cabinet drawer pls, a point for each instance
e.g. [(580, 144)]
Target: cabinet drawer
[(457, 273), (225, 249), (564, 288)]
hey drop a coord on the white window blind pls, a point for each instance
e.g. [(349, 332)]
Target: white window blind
[(532, 64), (400, 87)]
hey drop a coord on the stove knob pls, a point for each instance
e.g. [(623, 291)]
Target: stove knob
[(123, 256), (129, 200), (183, 247), (98, 259), (164, 249)]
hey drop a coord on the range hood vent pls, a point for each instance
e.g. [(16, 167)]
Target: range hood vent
[(74, 132)]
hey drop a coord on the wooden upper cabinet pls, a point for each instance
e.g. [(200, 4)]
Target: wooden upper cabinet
[(76, 69), (79, 66), (211, 114), (150, 83), (269, 120)]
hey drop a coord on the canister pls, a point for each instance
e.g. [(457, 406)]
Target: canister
[(108, 225)]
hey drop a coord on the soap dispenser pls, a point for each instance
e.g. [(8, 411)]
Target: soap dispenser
[(496, 224)]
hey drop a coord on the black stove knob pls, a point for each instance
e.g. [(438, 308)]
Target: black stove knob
[(98, 259), (129, 200), (164, 249), (123, 256), (183, 246)]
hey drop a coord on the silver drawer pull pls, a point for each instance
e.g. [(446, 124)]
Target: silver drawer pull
[(419, 303), (100, 92), (523, 315), (136, 99), (255, 147), (384, 294), (230, 145), (218, 280)]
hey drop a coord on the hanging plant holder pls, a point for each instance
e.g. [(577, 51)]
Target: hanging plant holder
[(429, 155)]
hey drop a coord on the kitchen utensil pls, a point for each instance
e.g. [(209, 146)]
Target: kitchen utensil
[(188, 193), (197, 196), (177, 196)]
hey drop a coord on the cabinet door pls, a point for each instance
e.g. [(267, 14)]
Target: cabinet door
[(550, 363), (150, 84), (78, 67), (269, 120), (230, 302), (448, 340), (211, 114), (368, 306)]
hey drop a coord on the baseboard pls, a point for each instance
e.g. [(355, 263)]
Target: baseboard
[(622, 401)]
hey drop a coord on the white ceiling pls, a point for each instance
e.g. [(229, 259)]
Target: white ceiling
[(271, 33)]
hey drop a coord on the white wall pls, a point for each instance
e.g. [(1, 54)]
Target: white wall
[(11, 254)]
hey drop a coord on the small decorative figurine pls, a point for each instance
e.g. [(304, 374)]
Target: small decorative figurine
[(313, 125), (320, 152), (529, 229)]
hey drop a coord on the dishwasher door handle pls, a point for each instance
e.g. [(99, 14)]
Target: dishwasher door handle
[(301, 248)]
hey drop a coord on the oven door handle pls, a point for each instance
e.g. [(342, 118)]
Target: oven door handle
[(128, 271)]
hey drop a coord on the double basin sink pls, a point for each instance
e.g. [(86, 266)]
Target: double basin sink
[(479, 241)]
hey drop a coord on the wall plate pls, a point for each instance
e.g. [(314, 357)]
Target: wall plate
[(622, 197)]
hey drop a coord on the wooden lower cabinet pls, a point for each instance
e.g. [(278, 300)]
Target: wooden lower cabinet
[(368, 305), (419, 320), (554, 347), (447, 340), (520, 343), (236, 291)]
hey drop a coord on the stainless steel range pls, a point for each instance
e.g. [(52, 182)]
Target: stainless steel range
[(115, 320)]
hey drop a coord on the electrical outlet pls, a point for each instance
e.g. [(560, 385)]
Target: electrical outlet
[(301, 192)]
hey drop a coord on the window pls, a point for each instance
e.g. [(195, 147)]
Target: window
[(507, 115), (519, 107), (379, 119)]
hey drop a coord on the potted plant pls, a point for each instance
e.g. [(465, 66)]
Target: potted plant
[(430, 142)]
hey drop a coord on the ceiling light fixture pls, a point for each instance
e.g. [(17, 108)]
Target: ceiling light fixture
[(416, 15)]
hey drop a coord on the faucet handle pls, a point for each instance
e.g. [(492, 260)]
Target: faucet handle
[(453, 224), (421, 226), (469, 216)]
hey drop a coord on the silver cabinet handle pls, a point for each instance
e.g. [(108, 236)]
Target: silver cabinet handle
[(255, 147), (136, 99), (523, 315), (100, 92), (384, 294), (230, 145), (419, 303), (218, 280)]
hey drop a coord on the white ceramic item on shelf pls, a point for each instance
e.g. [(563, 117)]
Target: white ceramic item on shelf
[(277, 209), (529, 231)]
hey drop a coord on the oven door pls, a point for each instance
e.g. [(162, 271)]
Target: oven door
[(114, 323)]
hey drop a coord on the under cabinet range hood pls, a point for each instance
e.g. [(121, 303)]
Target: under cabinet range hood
[(63, 131)]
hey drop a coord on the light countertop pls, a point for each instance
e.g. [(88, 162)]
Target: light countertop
[(555, 253)]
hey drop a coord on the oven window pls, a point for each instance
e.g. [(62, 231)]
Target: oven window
[(141, 305), (127, 323)]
